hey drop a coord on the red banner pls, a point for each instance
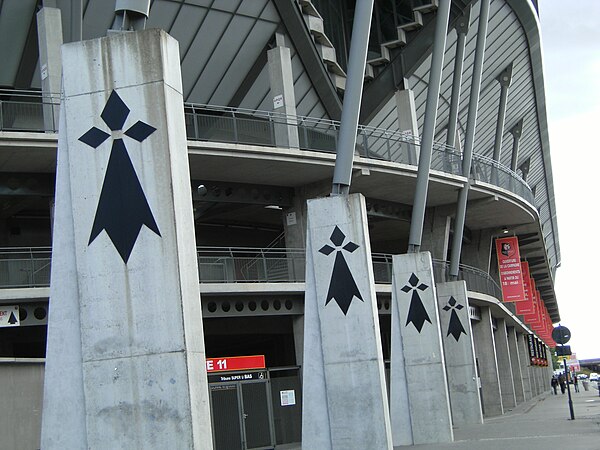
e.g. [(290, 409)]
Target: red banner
[(509, 266), (235, 363), (527, 307)]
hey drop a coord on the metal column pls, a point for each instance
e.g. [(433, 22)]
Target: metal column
[(516, 132), (462, 27), (350, 110), (505, 78), (461, 208), (433, 94)]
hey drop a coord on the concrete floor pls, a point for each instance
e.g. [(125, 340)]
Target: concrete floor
[(542, 423)]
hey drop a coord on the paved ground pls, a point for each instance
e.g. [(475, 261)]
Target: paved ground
[(542, 423)]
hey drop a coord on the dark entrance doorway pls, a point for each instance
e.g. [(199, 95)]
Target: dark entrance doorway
[(242, 416)]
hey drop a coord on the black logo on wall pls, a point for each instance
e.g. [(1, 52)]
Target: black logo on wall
[(416, 312), (122, 208), (455, 327), (342, 286)]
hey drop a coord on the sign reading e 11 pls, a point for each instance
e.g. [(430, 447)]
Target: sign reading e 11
[(235, 363)]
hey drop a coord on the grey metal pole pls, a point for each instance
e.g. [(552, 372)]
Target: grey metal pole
[(461, 208), (516, 132), (76, 20), (357, 59), (462, 28), (433, 94), (504, 79)]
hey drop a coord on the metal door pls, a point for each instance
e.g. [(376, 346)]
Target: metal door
[(227, 427), (256, 413), (242, 416)]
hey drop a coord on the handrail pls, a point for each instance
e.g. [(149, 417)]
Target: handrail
[(29, 267), (211, 123)]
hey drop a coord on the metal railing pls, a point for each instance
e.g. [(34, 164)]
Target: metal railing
[(30, 267), (25, 267), (29, 111)]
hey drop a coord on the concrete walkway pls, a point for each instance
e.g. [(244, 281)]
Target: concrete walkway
[(541, 423)]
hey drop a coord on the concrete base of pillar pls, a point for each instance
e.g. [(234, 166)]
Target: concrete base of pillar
[(345, 404), (125, 357), (459, 353), (418, 358)]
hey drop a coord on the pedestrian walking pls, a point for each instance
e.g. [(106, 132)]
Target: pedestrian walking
[(563, 385), (576, 382), (554, 384)]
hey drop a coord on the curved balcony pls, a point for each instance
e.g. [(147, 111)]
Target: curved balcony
[(30, 268), (25, 112)]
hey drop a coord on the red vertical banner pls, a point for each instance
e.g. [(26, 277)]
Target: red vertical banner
[(509, 266), (527, 307)]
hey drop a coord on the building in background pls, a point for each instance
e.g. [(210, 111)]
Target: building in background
[(263, 86)]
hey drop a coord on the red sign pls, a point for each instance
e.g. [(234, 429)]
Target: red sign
[(509, 265), (527, 307), (230, 363)]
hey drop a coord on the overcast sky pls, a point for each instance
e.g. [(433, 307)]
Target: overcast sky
[(571, 47)]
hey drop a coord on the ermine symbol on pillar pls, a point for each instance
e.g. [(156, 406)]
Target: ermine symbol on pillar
[(417, 314), (455, 327), (342, 286), (123, 207)]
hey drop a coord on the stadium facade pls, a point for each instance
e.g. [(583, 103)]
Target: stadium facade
[(263, 84)]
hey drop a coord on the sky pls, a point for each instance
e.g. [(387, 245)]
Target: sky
[(571, 49)]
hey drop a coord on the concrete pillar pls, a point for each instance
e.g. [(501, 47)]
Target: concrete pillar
[(515, 359), (281, 79), (524, 359), (485, 350), (343, 372), (459, 353), (407, 122), (125, 337), (436, 232), (477, 252), (418, 355), (505, 372), (298, 329), (50, 38)]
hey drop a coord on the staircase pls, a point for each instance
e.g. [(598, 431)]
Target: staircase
[(325, 48)]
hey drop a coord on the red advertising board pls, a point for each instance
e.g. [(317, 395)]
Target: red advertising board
[(229, 363), (527, 307), (509, 266)]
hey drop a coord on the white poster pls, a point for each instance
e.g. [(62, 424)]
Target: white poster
[(288, 398)]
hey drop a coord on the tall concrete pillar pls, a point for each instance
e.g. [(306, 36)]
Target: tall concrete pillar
[(515, 359), (459, 353), (407, 122), (505, 372), (417, 354), (125, 363), (485, 349), (477, 252), (281, 79), (436, 232), (343, 372), (50, 38), (524, 359), (298, 330)]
